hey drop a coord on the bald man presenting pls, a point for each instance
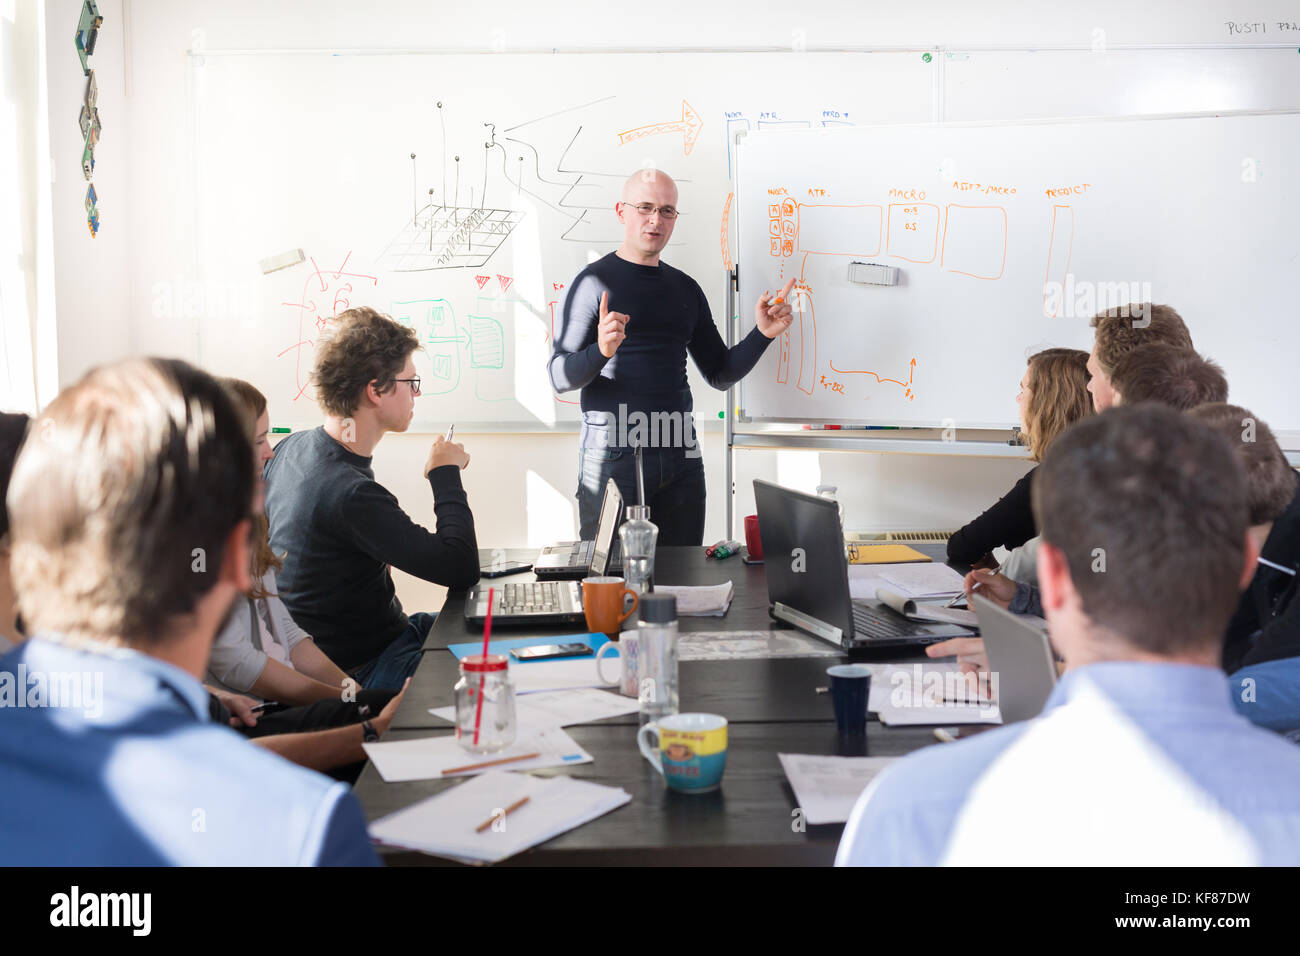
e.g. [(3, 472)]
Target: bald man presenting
[(628, 322)]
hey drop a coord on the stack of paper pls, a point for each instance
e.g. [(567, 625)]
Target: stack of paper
[(828, 787), (700, 601), (448, 824), (749, 645), (430, 757), (923, 581), (560, 708), (938, 693), (864, 581), (562, 675), (910, 608)]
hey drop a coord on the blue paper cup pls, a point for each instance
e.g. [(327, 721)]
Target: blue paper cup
[(850, 690)]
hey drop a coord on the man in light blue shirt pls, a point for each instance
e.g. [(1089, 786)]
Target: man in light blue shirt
[(1138, 757), (130, 507)]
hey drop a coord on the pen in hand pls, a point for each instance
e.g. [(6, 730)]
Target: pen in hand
[(451, 432), (956, 597)]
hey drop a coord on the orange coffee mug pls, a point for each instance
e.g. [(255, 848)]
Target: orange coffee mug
[(603, 600)]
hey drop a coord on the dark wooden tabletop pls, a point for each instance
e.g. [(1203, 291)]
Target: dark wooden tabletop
[(771, 706)]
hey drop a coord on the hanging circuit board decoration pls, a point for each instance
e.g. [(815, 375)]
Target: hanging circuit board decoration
[(87, 32)]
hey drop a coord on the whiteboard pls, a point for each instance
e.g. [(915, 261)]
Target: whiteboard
[(312, 152), (1008, 239)]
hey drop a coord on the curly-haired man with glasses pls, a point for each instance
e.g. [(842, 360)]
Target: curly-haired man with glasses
[(339, 529)]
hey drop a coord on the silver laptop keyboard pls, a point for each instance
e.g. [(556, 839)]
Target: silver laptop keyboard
[(530, 596)]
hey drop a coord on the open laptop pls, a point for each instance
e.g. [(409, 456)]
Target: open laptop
[(575, 560), (808, 577), (557, 600), (1020, 654)]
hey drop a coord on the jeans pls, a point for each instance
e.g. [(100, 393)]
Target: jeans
[(399, 659), (1268, 694), (674, 488)]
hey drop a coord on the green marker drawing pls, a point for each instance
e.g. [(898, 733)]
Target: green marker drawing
[(925, 58)]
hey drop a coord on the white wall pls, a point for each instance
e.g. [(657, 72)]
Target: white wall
[(148, 222)]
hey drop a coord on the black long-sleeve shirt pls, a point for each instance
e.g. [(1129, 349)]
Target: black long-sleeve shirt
[(668, 317), (1009, 523), (339, 530)]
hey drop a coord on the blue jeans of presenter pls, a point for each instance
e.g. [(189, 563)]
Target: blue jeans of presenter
[(674, 481)]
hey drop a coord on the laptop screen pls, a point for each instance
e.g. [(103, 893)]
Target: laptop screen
[(610, 511), (803, 554)]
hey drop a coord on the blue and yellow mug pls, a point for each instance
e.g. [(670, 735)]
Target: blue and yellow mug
[(690, 750)]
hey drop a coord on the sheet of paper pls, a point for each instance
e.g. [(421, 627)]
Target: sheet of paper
[(923, 580), (828, 787), (749, 645), (930, 694), (560, 708), (428, 757), (562, 674), (447, 824), (865, 580), (700, 600)]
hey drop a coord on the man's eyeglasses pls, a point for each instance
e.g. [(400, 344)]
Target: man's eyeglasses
[(415, 384), (646, 209)]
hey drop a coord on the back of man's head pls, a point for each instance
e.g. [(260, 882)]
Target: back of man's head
[(122, 500), (1270, 480), (1121, 330), (1170, 375), (1148, 509)]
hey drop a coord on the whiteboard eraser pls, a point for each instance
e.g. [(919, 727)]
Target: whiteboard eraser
[(873, 273), (283, 261)]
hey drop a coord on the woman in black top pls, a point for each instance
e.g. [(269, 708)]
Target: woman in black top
[(1053, 396)]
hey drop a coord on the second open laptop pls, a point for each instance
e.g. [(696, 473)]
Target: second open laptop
[(808, 577), (556, 598), (574, 560)]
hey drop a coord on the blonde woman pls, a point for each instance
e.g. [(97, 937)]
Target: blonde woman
[(1053, 396), (260, 651)]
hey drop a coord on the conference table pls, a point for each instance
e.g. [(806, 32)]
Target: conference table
[(772, 706)]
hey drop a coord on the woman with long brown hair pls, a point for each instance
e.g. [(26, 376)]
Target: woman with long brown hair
[(261, 651), (1053, 396)]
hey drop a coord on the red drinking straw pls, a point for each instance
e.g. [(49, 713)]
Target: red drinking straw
[(487, 636)]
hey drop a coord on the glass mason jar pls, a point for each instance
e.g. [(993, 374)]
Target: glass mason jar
[(485, 704)]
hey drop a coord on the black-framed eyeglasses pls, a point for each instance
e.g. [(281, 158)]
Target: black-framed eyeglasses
[(646, 209), (415, 384)]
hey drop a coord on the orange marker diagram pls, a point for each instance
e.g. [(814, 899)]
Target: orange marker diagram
[(907, 386), (689, 126), (821, 229), (806, 320), (975, 241), (914, 231), (1058, 259)]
